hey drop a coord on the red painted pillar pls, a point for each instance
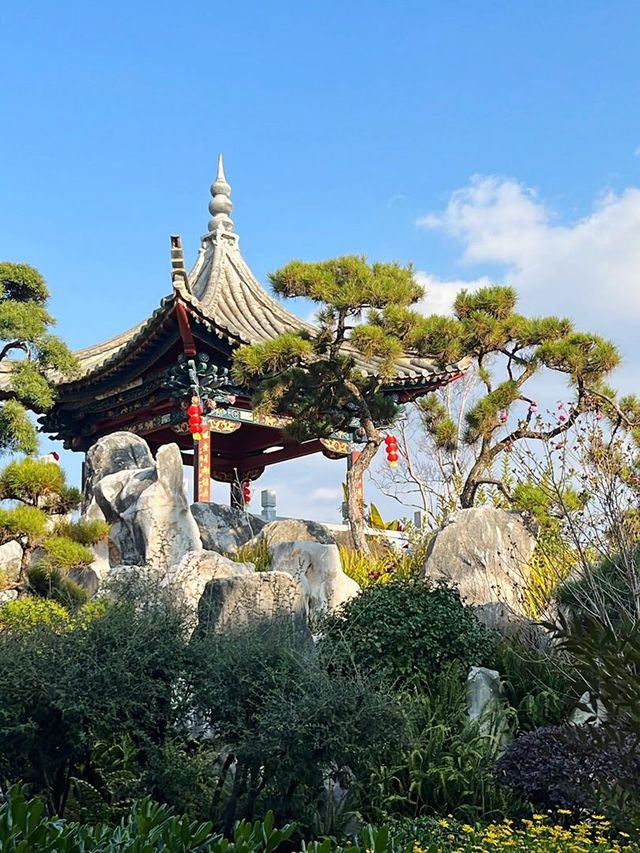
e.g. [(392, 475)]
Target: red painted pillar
[(202, 467)]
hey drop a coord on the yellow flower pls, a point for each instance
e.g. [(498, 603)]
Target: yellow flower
[(444, 823), (468, 829)]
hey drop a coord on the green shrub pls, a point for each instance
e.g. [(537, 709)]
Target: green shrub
[(541, 687), (283, 721), (25, 614), (447, 763), (64, 692), (254, 552), (31, 480), (406, 632), (85, 531), (22, 521), (148, 828)]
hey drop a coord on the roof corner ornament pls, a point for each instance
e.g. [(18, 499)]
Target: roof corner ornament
[(220, 206), (179, 277)]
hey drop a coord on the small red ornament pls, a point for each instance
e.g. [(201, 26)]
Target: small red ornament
[(246, 492)]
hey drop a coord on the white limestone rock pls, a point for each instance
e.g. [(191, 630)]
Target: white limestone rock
[(147, 507), (485, 552), (194, 571), (251, 599), (161, 517), (7, 595), (120, 451), (223, 528), (318, 570), (485, 705), (10, 561)]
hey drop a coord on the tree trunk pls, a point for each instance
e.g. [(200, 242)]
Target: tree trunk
[(355, 504), (468, 493)]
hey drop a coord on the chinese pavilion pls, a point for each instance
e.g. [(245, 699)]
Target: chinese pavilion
[(144, 379)]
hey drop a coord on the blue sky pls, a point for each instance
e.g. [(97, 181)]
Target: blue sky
[(347, 128)]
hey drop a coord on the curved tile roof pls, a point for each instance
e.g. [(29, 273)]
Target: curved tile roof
[(225, 294)]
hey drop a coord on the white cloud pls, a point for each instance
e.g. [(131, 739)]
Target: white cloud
[(325, 493), (588, 270), (440, 294)]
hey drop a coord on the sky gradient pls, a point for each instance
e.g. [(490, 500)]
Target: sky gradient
[(492, 140)]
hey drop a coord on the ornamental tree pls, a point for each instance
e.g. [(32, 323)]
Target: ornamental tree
[(469, 427), (29, 355), (314, 375), (52, 546)]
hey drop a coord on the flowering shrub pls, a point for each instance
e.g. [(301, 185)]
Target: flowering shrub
[(544, 833)]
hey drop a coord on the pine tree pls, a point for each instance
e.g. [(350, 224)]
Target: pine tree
[(315, 375), (40, 500), (29, 355), (510, 350)]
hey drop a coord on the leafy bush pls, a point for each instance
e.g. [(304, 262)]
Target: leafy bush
[(149, 828), (447, 763), (406, 632), (85, 531), (284, 723), (541, 687), (66, 691), (22, 521), (541, 834), (25, 614), (571, 767)]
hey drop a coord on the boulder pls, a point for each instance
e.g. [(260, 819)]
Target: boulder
[(318, 570), (120, 451), (294, 530), (483, 691), (194, 571), (10, 561), (7, 595), (251, 599), (485, 552), (512, 625), (223, 528)]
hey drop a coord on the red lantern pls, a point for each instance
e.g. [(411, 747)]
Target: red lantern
[(391, 446), (195, 419), (246, 492)]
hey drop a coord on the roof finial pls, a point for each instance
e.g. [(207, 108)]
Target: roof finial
[(179, 277), (220, 205)]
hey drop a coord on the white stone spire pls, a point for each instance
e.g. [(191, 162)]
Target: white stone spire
[(220, 205)]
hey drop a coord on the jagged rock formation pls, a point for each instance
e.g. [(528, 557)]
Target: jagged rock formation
[(318, 570), (251, 599), (10, 561), (485, 552), (223, 528), (294, 530), (146, 504)]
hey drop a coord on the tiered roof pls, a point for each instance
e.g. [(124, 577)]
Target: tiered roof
[(222, 293)]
